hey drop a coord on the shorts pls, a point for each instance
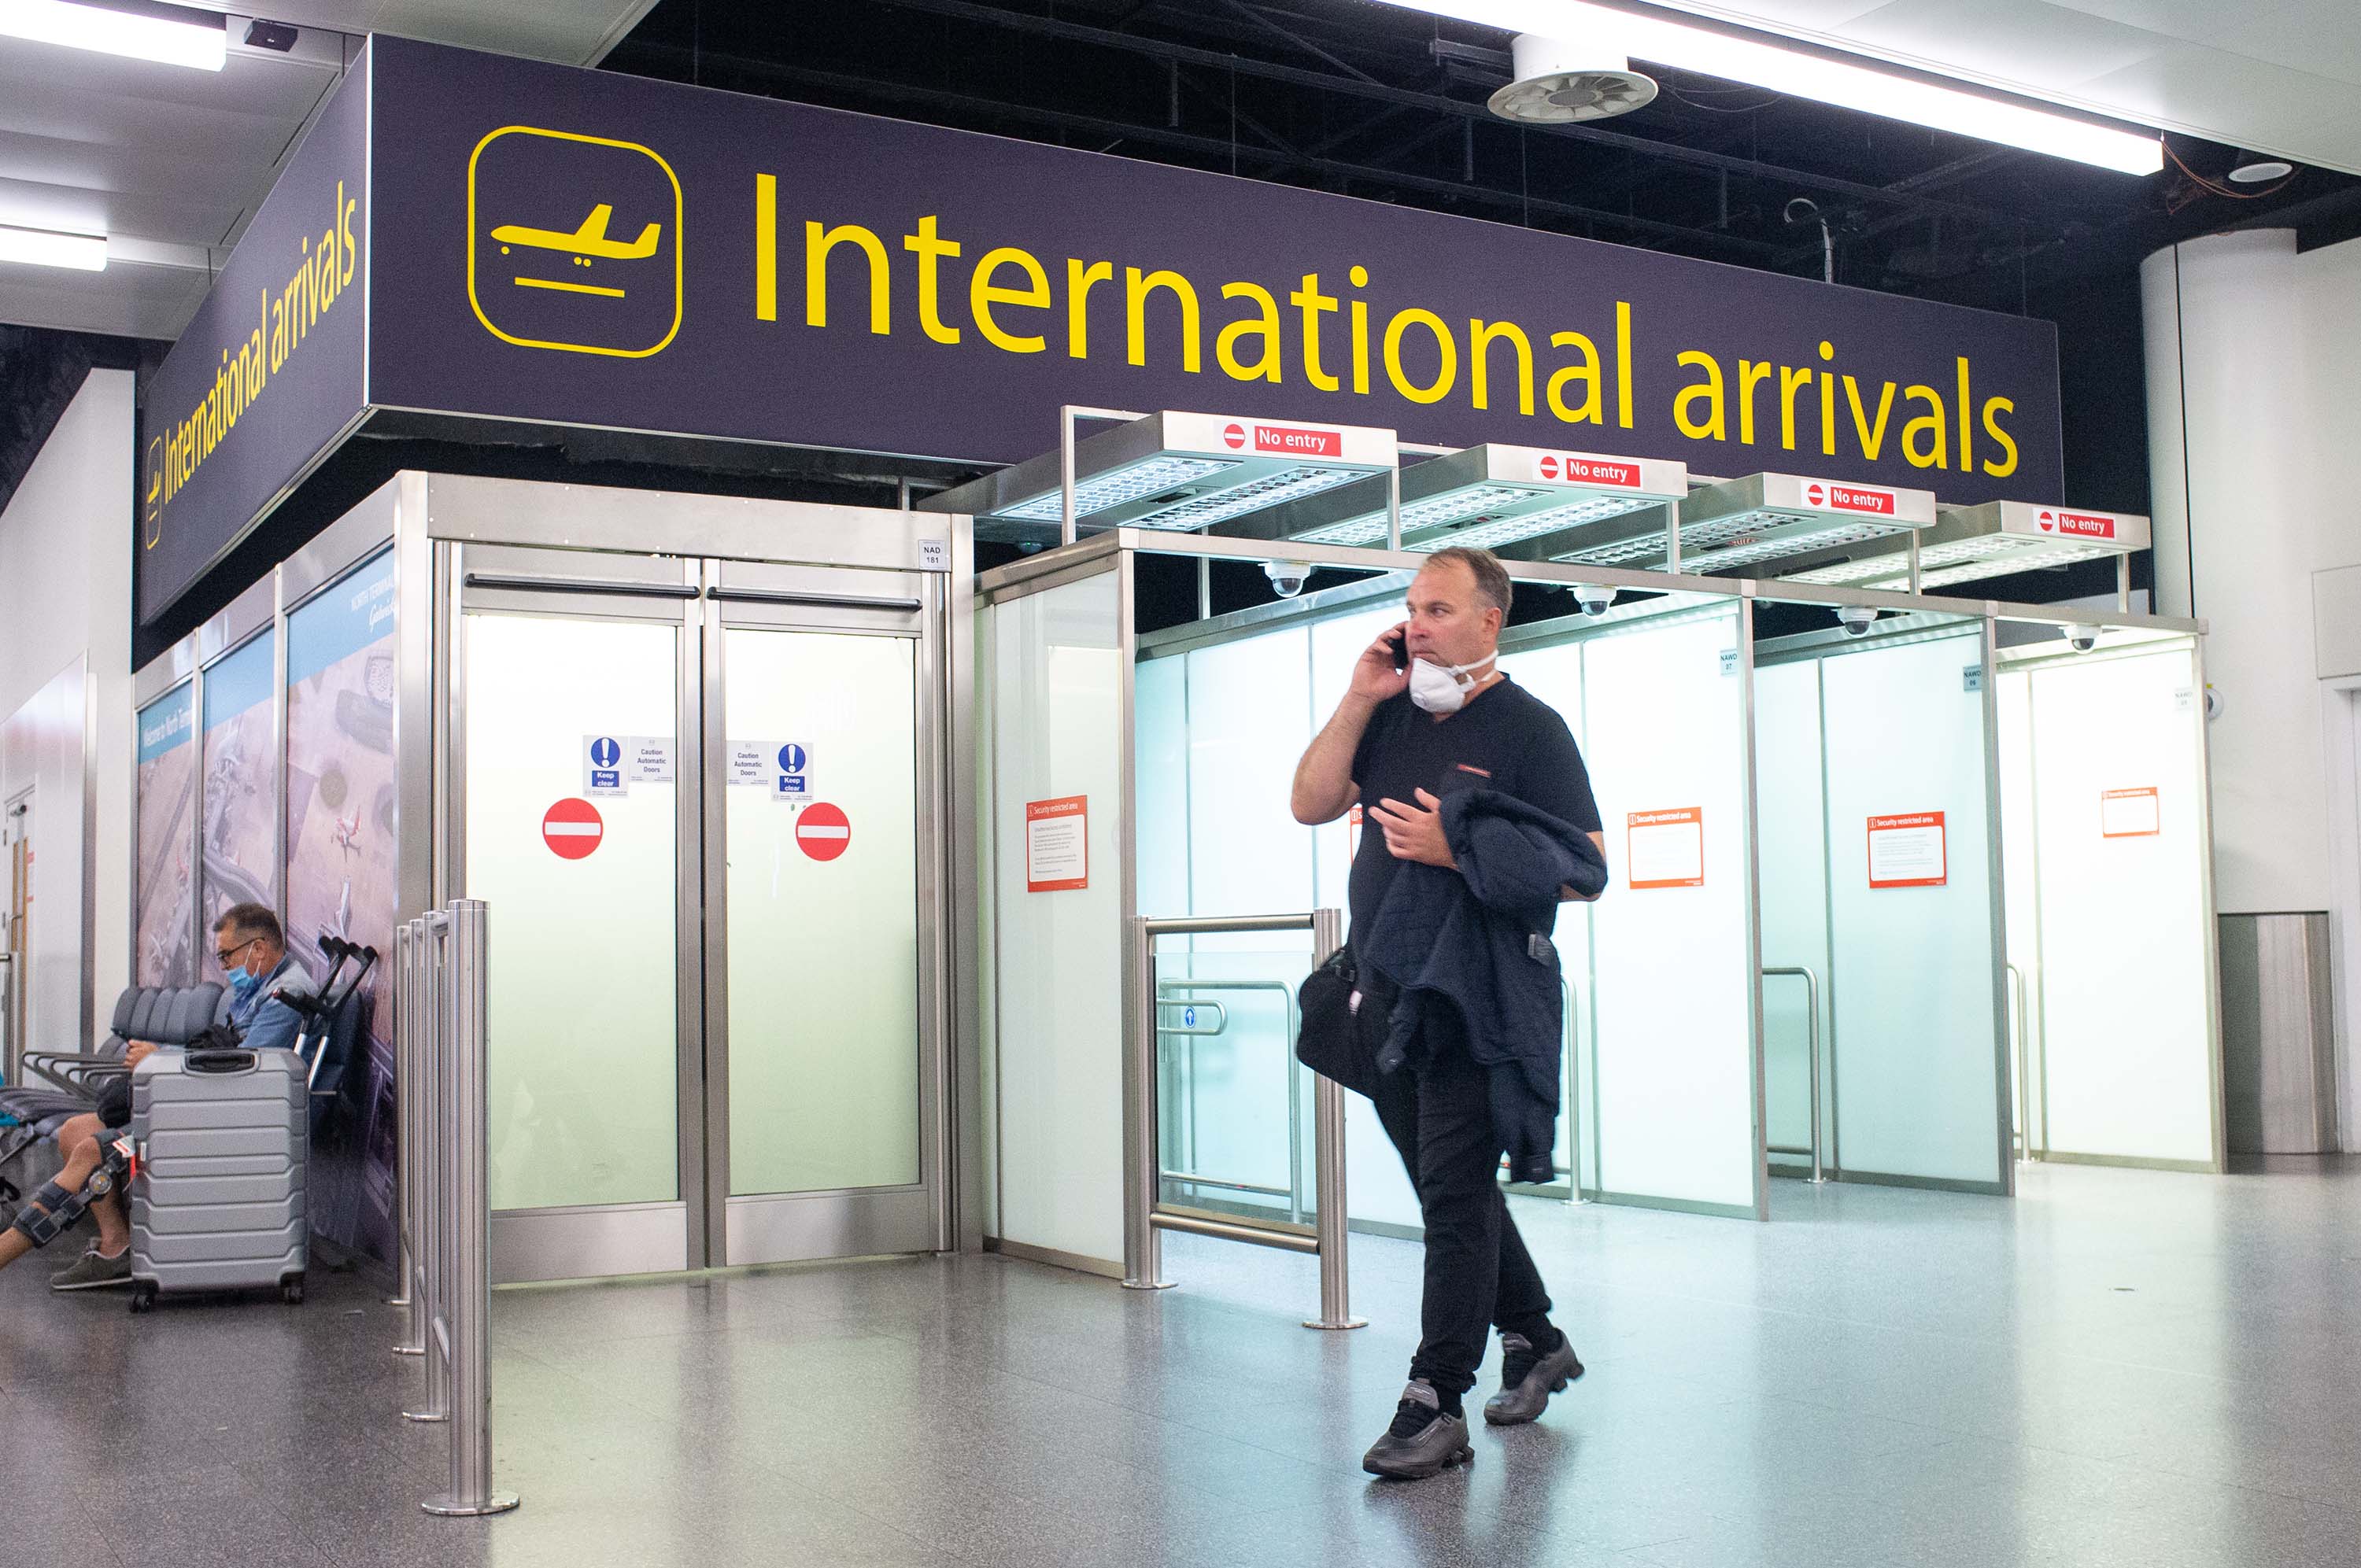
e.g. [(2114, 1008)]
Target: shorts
[(115, 1101)]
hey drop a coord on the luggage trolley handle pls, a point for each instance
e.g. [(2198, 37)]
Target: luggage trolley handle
[(221, 1060)]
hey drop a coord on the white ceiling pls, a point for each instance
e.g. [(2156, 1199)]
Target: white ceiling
[(169, 163), (2280, 76)]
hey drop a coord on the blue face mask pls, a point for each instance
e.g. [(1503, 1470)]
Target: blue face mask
[(243, 983)]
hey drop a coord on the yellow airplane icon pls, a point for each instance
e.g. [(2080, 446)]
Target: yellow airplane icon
[(590, 239)]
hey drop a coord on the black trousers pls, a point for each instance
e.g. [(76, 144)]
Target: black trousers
[(1478, 1273)]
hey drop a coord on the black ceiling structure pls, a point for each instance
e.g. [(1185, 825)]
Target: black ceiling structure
[(1386, 104)]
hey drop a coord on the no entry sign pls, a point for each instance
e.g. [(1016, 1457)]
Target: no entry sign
[(822, 831), (572, 829)]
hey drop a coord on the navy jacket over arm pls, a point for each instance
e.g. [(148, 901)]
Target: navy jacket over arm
[(1475, 940)]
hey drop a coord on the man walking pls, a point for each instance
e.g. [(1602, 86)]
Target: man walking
[(1428, 718)]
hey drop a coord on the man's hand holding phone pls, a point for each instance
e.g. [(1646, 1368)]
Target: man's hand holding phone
[(1383, 670)]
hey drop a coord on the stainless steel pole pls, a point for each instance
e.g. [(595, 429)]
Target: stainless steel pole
[(405, 1171), (1066, 523), (1143, 1247), (467, 1294), (1330, 1223), (431, 947), (1393, 504)]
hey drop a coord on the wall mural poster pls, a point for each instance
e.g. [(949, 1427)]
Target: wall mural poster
[(241, 805), (340, 874), (168, 777)]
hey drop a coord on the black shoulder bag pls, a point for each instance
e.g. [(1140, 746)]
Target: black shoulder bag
[(1330, 1038)]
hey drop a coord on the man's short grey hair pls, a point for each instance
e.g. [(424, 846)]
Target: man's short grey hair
[(1491, 578)]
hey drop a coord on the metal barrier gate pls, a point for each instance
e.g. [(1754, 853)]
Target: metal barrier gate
[(438, 1030), (1144, 1218)]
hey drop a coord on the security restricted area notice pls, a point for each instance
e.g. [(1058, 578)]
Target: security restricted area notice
[(1666, 848), (1909, 850), (1056, 844), (2130, 813)]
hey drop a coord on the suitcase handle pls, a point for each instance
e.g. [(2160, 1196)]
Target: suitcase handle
[(221, 1061)]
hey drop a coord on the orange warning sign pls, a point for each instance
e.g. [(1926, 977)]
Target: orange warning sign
[(1057, 844), (1665, 849), (1911, 850)]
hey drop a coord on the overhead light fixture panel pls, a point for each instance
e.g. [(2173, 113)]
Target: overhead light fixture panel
[(1764, 60), (136, 29), (49, 248)]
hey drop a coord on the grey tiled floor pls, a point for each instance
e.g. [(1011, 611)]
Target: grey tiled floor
[(2119, 1367)]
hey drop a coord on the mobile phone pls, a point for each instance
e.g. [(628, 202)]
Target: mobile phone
[(1401, 649)]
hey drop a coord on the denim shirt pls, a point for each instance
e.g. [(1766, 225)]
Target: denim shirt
[(263, 1023)]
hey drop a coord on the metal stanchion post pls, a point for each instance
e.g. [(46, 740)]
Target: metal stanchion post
[(404, 1139), (1330, 1223), (1143, 1247), (467, 1294), (432, 947)]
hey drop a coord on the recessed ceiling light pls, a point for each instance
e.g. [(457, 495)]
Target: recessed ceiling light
[(1766, 60), (48, 248), (168, 35)]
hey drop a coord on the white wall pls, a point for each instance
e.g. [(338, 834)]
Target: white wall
[(2254, 373), (65, 597)]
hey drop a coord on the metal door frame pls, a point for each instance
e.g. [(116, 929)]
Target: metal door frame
[(678, 546)]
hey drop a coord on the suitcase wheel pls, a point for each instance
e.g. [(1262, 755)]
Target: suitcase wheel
[(290, 1290), (143, 1296)]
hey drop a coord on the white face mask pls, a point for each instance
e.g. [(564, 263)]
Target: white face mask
[(1443, 688)]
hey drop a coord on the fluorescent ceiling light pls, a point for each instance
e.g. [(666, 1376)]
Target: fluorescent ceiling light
[(168, 35), (47, 247), (1766, 62)]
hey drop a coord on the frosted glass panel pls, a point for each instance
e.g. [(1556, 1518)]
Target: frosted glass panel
[(582, 1024), (1917, 1051), (1249, 719), (2124, 1025), (1056, 731), (824, 953), (1672, 966), (2021, 892), (1234, 1105), (1790, 801)]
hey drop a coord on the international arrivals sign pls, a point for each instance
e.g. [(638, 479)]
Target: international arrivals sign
[(536, 243)]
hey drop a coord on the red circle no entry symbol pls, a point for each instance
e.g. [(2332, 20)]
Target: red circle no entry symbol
[(822, 831), (1232, 436), (572, 829)]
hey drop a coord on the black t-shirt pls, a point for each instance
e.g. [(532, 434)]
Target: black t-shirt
[(1505, 739)]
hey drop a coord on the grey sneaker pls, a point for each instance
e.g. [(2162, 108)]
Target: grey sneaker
[(1422, 1440), (94, 1272), (1527, 1380)]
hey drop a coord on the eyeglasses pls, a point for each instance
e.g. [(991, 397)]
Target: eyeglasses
[(225, 956)]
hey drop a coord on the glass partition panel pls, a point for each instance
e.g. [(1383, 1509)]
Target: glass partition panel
[(1791, 804), (241, 832), (2116, 957), (167, 872), (1234, 1107), (1912, 1073), (1054, 661), (1671, 1053)]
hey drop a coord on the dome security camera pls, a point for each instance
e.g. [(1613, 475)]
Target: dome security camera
[(1286, 577), (2081, 642), (1856, 618), (1594, 598)]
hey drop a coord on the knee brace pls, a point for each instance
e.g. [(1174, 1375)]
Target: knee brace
[(53, 1211)]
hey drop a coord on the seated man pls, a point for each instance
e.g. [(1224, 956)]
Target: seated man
[(251, 948)]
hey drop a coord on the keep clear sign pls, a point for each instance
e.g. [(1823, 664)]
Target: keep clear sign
[(791, 773), (613, 763)]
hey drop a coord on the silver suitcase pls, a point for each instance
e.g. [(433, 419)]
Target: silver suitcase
[(217, 1199)]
